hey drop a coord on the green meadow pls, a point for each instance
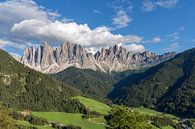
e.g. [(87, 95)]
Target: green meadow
[(71, 119), (147, 111), (90, 123), (94, 105)]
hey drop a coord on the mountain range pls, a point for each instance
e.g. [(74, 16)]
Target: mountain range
[(114, 59), (168, 86)]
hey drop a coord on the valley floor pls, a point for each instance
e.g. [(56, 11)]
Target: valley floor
[(88, 123)]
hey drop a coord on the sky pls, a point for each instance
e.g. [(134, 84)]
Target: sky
[(154, 25)]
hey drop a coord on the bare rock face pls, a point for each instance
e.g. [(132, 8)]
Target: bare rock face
[(52, 60)]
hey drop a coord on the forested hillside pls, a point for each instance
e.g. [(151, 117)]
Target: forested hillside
[(23, 88), (169, 86), (93, 84)]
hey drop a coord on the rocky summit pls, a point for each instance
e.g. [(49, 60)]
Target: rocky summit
[(47, 59)]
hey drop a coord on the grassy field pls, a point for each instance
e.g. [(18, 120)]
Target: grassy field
[(75, 119), (104, 109), (69, 118), (94, 105), (91, 123), (147, 111)]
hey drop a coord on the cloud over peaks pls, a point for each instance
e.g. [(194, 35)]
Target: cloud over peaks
[(13, 11), (77, 33), (24, 21), (135, 47)]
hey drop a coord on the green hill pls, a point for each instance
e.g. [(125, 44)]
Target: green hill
[(169, 86), (93, 84), (24, 88), (94, 105)]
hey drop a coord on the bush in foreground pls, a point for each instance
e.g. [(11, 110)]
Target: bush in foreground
[(125, 118), (6, 122)]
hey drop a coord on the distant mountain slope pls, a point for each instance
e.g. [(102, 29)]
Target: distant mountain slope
[(24, 88), (52, 60), (169, 86), (94, 84)]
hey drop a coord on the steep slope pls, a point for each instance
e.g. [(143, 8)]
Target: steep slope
[(92, 83), (170, 86), (180, 98), (52, 60), (23, 88)]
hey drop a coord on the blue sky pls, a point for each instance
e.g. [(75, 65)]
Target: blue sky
[(155, 25)]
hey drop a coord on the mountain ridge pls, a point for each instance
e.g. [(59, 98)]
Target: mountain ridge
[(46, 59)]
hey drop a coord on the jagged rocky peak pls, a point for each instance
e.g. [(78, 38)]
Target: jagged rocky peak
[(51, 60), (28, 56), (111, 53), (148, 54)]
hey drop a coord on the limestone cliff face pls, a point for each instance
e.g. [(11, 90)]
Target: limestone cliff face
[(52, 60)]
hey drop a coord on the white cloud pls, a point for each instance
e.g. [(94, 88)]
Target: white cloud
[(149, 5), (167, 3), (73, 32), (13, 11), (66, 20), (121, 5), (22, 21), (6, 43), (123, 10), (154, 40), (97, 11), (173, 37), (135, 47), (121, 19), (173, 47)]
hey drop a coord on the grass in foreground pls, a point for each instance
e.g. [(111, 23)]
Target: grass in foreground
[(91, 123), (94, 105), (69, 118), (73, 119)]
